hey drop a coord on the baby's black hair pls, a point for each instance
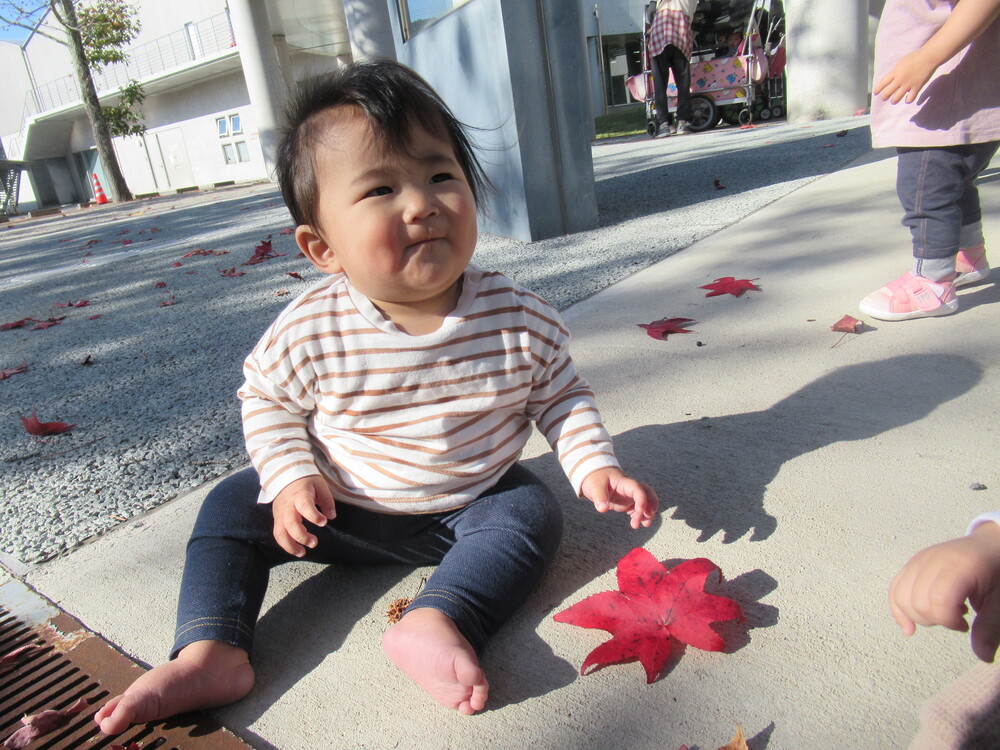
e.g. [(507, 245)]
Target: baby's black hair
[(393, 98)]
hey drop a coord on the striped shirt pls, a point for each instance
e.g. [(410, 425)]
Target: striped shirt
[(415, 424)]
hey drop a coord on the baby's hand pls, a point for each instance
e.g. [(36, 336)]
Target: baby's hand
[(610, 489), (304, 499), (907, 77), (932, 587)]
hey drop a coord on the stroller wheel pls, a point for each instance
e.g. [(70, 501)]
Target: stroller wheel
[(764, 114), (651, 128), (745, 116), (704, 114), (777, 110)]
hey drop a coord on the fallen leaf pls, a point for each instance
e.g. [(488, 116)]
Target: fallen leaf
[(860, 111), (263, 251), (87, 361), (842, 133), (168, 303), (175, 264), (287, 230), (159, 285), (295, 275), (730, 285), (281, 293), (737, 742), (653, 608), (231, 272), (828, 145), (17, 324), (13, 657), (93, 317), (125, 243), (847, 324), (38, 725), (200, 251), (396, 608), (88, 243), (748, 126), (8, 371), (154, 229), (659, 329), (718, 185), (34, 427), (81, 303), (43, 324)]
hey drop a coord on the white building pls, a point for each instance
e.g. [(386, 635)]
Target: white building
[(215, 71)]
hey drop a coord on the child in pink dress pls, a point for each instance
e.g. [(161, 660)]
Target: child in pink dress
[(937, 100)]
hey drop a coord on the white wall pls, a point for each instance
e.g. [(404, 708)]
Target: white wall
[(16, 86)]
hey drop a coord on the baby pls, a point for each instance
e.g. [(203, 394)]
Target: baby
[(386, 408)]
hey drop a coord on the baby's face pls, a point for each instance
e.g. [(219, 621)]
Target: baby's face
[(402, 227)]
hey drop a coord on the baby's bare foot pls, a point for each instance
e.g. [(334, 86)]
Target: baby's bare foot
[(205, 674), (432, 652)]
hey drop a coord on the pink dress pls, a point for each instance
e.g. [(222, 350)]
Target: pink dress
[(960, 104)]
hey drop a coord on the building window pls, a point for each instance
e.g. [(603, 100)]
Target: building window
[(234, 124), (417, 14), (228, 153), (223, 125), (242, 152)]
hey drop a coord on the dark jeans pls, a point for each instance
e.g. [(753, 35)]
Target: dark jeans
[(937, 189), (672, 59), (490, 555)]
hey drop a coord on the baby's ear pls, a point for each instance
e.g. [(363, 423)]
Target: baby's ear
[(315, 248)]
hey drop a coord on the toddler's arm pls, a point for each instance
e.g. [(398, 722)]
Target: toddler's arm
[(306, 499), (931, 589), (967, 21), (610, 489)]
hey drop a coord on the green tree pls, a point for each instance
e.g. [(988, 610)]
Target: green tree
[(96, 35)]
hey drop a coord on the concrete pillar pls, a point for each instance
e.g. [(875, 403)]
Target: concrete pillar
[(827, 72), (284, 61), (370, 29), (264, 79)]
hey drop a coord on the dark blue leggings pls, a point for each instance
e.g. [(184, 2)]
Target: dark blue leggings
[(938, 191), (490, 555)]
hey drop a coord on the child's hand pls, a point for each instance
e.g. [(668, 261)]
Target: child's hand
[(610, 489), (304, 499), (932, 587), (907, 77)]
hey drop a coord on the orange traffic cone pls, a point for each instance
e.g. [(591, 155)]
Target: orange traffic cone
[(99, 192)]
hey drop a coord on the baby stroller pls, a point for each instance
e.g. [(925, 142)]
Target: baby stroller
[(738, 83)]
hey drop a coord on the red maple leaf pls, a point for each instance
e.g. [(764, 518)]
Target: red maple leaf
[(287, 230), (169, 302), (295, 275), (653, 608), (847, 324), (43, 324), (43, 723), (730, 285), (34, 427), (263, 252), (17, 324), (175, 264), (659, 329), (8, 371)]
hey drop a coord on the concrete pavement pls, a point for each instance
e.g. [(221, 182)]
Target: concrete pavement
[(809, 465)]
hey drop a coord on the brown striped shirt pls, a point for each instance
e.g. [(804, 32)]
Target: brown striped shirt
[(415, 424)]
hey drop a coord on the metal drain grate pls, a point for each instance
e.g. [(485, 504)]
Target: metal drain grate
[(69, 663)]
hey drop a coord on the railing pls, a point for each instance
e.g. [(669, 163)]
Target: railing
[(194, 42)]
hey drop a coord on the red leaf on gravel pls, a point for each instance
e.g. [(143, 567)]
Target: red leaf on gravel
[(263, 252), (34, 427), (718, 185), (43, 723), (9, 371), (200, 251), (231, 272), (295, 275), (730, 285), (126, 243), (159, 285), (42, 325), (847, 324), (17, 324), (168, 303), (93, 317), (175, 264), (287, 230), (88, 243), (653, 608), (659, 329), (81, 303)]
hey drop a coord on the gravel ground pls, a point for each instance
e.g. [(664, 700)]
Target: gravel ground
[(148, 369)]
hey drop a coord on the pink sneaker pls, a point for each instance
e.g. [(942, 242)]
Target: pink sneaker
[(911, 296), (971, 265)]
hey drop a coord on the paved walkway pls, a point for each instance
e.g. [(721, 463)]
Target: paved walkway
[(807, 464)]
